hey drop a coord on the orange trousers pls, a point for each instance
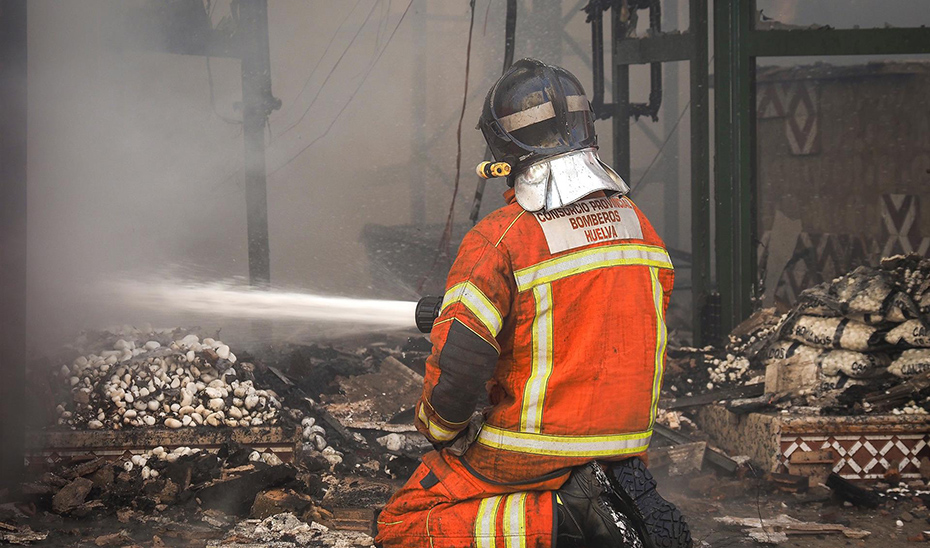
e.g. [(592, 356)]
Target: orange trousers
[(444, 505)]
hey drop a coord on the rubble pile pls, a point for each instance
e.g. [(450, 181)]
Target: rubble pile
[(227, 480), (862, 328), (860, 333), (224, 423), (151, 379), (693, 371), (286, 530)]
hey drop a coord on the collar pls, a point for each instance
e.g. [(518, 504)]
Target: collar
[(510, 196)]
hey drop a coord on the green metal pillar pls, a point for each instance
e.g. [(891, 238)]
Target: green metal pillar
[(700, 169), (734, 164), (13, 99)]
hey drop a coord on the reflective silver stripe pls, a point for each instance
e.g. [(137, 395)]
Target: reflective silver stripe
[(515, 521), (475, 300), (577, 103), (591, 259), (486, 522), (661, 342), (539, 113), (565, 446), (534, 395), (528, 117)]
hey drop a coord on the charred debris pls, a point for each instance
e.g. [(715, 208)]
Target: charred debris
[(856, 345), (182, 437), (190, 440)]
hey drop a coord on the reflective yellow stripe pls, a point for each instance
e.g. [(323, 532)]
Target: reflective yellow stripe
[(435, 430), (486, 522), (565, 446), (475, 300), (661, 342), (534, 395), (591, 259), (515, 521), (515, 219)]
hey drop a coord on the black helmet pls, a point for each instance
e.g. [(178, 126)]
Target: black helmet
[(535, 111)]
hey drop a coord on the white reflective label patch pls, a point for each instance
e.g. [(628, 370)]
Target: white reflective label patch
[(589, 222)]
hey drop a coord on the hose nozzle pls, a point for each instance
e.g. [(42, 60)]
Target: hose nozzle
[(426, 313)]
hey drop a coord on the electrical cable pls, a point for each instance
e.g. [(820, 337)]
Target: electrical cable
[(331, 71), (320, 60), (351, 97), (667, 138), (446, 238), (210, 6), (510, 31), (235, 172), (447, 232), (662, 147), (382, 24)]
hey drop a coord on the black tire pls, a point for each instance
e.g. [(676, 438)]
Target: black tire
[(665, 525)]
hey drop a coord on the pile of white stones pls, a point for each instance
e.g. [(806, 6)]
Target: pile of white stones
[(141, 462), (728, 370), (314, 441), (185, 383)]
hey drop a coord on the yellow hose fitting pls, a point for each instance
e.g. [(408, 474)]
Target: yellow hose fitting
[(488, 170)]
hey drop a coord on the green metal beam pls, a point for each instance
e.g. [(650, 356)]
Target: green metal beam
[(655, 49), (700, 169), (823, 42), (734, 164), (689, 46), (14, 99)]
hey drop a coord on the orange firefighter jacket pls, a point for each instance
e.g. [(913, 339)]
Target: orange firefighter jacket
[(559, 319)]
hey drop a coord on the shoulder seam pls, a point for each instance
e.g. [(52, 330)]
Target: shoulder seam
[(506, 230)]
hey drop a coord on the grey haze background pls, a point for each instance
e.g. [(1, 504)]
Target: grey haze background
[(133, 175)]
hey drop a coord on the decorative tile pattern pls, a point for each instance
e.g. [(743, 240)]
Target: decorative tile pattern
[(866, 456), (901, 220), (771, 99), (802, 125), (797, 102)]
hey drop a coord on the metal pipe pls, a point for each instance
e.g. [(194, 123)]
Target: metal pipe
[(621, 105), (651, 108), (597, 65), (605, 110)]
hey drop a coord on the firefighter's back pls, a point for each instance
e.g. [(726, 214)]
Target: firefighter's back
[(583, 345)]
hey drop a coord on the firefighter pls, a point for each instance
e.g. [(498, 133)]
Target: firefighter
[(554, 315)]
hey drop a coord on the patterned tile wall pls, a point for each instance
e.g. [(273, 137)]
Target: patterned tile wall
[(864, 456)]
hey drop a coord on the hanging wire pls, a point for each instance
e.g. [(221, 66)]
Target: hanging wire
[(332, 70), (351, 97), (443, 250), (332, 40), (667, 139), (447, 232), (662, 147), (236, 172)]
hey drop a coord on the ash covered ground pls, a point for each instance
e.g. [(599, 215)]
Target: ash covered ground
[(188, 440), (300, 431)]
